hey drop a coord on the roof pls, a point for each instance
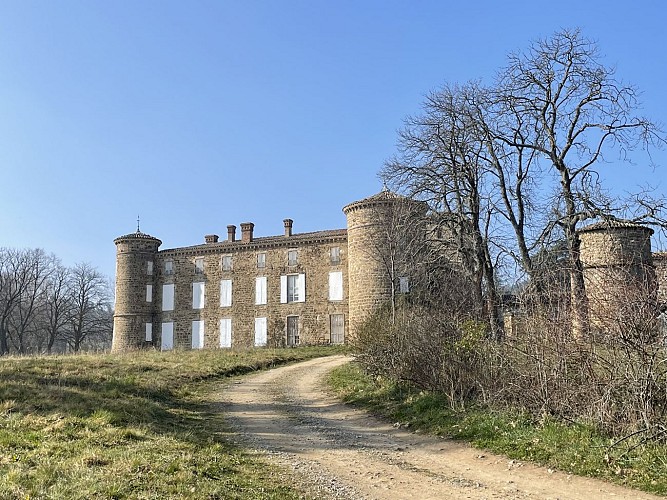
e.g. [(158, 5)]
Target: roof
[(384, 196), (266, 241), (605, 225), (137, 235)]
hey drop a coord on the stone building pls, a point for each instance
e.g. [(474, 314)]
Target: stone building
[(621, 274), (308, 288)]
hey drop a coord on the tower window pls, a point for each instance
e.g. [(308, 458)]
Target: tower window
[(149, 267)]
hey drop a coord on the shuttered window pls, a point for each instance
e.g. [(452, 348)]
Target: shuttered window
[(336, 285), (149, 332), (168, 297), (167, 342), (260, 290), (198, 295), (292, 288), (226, 332), (260, 332), (149, 293), (198, 334), (225, 293)]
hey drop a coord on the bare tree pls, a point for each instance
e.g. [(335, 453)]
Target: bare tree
[(559, 101), (35, 268), (58, 305), (90, 299), (441, 162)]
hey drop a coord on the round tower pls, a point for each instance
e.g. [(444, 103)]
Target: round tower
[(135, 258), (371, 224), (619, 275)]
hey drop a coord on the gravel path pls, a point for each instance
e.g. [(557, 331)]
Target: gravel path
[(336, 451)]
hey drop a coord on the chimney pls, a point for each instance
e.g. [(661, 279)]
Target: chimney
[(288, 226), (246, 231), (211, 238), (231, 233)]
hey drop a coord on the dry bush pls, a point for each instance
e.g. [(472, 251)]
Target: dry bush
[(615, 378)]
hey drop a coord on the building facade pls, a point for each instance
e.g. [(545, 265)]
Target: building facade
[(285, 290)]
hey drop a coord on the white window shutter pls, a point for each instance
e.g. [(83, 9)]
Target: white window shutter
[(226, 332), (149, 293), (198, 334), (167, 336), (302, 288), (149, 332), (225, 293), (168, 297), (260, 290), (260, 332), (283, 289), (198, 294), (336, 285)]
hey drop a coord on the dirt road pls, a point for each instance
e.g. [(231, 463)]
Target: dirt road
[(336, 451)]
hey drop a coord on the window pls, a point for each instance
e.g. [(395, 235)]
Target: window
[(199, 265), (198, 295), (261, 260), (403, 284), (226, 332), (168, 267), (149, 267), (291, 257), (149, 293), (198, 334), (149, 332), (337, 328), (168, 297), (260, 290), (292, 288), (334, 255), (226, 262), (225, 293), (260, 332), (336, 285), (167, 342)]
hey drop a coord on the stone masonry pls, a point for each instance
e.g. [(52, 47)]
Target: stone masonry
[(317, 286)]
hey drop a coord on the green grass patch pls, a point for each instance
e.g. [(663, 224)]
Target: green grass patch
[(137, 425), (573, 448)]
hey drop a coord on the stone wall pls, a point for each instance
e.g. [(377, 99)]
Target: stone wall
[(618, 272), (313, 260)]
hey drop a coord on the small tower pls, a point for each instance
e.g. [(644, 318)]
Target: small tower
[(369, 228), (135, 278), (619, 275)]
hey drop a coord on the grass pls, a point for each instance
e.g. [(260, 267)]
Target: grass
[(573, 448), (137, 425)]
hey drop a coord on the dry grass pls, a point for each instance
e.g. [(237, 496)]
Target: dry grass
[(128, 426)]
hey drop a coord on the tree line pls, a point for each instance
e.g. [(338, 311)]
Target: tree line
[(46, 307)]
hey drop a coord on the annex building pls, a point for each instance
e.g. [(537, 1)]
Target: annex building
[(284, 290)]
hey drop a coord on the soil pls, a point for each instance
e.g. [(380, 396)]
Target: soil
[(333, 450)]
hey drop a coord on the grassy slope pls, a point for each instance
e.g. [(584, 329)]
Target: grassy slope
[(128, 426), (572, 448)]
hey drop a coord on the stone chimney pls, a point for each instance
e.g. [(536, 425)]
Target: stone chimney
[(231, 233), (246, 231), (288, 226), (211, 238)]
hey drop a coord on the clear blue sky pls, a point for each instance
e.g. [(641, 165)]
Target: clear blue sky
[(199, 114)]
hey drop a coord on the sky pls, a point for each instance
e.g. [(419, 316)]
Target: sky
[(197, 114)]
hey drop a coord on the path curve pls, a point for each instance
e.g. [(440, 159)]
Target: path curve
[(336, 451)]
